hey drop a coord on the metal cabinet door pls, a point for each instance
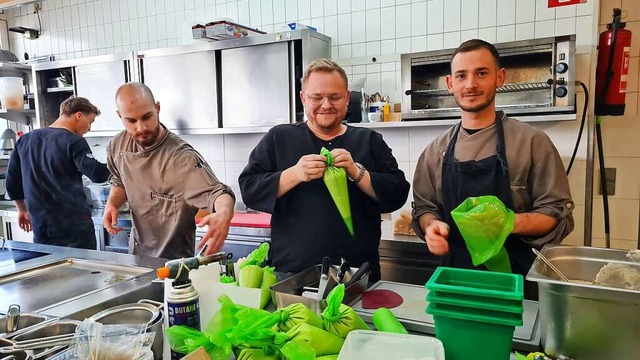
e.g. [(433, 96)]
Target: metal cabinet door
[(256, 90), (185, 86), (98, 83)]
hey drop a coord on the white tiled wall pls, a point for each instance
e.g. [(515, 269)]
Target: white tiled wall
[(360, 30)]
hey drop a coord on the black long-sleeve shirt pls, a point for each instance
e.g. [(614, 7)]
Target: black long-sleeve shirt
[(45, 169), (305, 222)]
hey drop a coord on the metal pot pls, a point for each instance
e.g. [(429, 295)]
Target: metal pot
[(143, 312)]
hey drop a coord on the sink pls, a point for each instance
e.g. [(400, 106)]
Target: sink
[(26, 320), (10, 256)]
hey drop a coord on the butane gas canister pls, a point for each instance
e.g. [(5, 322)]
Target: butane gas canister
[(183, 308)]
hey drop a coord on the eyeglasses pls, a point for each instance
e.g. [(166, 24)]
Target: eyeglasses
[(318, 99)]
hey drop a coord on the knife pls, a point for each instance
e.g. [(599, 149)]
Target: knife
[(342, 270), (324, 277), (362, 270)]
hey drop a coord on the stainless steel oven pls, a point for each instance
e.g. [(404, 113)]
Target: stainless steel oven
[(241, 240), (540, 80)]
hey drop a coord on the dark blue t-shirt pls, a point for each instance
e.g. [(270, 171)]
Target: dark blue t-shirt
[(45, 169)]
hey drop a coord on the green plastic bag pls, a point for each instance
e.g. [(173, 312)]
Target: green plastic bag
[(183, 339), (256, 354), (328, 357), (298, 350), (323, 342), (251, 276), (485, 223), (339, 318), (336, 180), (295, 314), (268, 279), (257, 256)]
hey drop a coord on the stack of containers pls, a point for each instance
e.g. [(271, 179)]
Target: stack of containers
[(475, 312)]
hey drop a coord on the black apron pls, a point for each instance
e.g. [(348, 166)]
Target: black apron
[(489, 176)]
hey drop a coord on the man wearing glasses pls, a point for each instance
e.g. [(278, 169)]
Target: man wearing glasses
[(284, 178)]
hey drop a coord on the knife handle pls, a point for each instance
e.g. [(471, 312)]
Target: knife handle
[(363, 269), (326, 265), (342, 270)]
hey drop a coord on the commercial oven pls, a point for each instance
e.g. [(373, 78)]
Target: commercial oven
[(540, 80)]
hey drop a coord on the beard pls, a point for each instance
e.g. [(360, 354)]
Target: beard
[(477, 107), (149, 138)]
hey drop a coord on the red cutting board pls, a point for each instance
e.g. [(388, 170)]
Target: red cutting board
[(259, 220)]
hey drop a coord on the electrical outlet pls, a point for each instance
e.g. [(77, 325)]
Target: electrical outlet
[(610, 181)]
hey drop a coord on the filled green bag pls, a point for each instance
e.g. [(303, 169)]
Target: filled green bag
[(268, 279), (336, 181), (297, 350), (183, 339), (339, 318), (256, 354), (295, 314), (485, 223), (328, 357), (251, 276), (323, 342)]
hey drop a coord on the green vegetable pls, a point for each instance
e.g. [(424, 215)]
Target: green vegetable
[(336, 181)]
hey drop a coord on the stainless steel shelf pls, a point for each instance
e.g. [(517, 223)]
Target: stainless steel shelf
[(60, 89), (14, 66), (19, 116)]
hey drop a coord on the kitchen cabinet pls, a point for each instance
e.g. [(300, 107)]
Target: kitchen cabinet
[(95, 78), (256, 86), (185, 86)]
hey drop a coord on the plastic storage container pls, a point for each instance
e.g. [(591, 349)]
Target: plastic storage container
[(11, 93), (477, 284), (373, 345)]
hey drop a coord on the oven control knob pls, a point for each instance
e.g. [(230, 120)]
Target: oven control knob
[(561, 91), (562, 68)]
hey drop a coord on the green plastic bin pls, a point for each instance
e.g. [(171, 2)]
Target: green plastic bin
[(477, 283), (468, 333), (477, 302)]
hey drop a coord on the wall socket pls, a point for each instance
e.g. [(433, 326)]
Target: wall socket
[(610, 181)]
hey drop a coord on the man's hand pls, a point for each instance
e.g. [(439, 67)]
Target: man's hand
[(436, 235), (24, 221), (110, 219), (309, 167), (342, 158), (216, 233)]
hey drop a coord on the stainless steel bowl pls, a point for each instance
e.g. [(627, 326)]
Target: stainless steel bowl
[(581, 320)]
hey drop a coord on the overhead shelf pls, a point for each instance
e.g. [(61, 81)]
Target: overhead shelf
[(15, 67), (19, 116), (60, 89)]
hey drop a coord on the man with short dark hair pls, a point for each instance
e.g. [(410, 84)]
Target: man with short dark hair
[(284, 178), (44, 178), (488, 153), (166, 182)]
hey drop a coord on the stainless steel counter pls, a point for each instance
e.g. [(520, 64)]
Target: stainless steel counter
[(74, 283)]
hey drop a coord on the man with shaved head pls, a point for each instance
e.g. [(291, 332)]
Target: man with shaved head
[(166, 182)]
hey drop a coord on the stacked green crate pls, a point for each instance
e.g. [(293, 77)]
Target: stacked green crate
[(475, 312)]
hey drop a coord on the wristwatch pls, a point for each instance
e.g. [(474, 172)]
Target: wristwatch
[(360, 174)]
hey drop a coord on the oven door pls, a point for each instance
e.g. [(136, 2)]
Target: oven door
[(238, 245)]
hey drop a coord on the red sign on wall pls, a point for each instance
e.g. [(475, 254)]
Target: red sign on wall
[(556, 3)]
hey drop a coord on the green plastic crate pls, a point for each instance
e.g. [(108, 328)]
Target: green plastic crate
[(473, 335), (478, 302), (477, 283)]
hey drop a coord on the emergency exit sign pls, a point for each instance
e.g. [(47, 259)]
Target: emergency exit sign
[(556, 3)]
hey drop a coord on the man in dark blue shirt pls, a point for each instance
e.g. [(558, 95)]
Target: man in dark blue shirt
[(44, 178)]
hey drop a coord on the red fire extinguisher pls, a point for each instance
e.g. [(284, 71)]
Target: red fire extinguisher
[(614, 49)]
